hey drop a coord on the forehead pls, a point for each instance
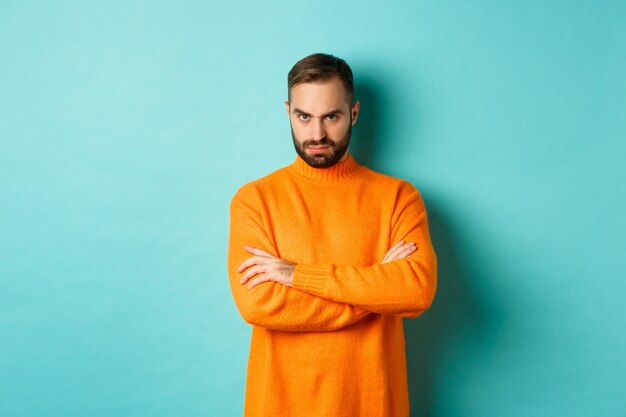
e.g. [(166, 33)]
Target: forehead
[(318, 97)]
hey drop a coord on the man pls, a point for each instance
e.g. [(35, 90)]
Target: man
[(325, 258)]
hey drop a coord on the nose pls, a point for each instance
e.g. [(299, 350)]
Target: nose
[(319, 130)]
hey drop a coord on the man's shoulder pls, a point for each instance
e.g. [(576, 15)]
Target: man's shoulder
[(390, 182), (252, 190)]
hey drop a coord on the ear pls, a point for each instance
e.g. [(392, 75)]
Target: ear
[(287, 106), (355, 111)]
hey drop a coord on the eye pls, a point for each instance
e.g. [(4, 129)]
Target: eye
[(331, 117), (303, 117)]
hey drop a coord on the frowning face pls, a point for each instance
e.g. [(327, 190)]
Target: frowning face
[(321, 121)]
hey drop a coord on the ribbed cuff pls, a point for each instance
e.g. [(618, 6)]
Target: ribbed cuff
[(312, 279)]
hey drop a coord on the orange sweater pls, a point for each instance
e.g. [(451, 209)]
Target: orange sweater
[(333, 344)]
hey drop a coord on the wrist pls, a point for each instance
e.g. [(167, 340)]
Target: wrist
[(291, 273)]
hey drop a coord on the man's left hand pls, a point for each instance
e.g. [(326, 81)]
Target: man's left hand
[(266, 267)]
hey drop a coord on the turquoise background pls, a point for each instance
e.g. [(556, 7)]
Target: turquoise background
[(126, 127)]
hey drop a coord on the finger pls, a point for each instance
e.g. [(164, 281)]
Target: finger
[(393, 253), (247, 263), (407, 251), (258, 279), (391, 249), (257, 269), (257, 251), (403, 251), (397, 245), (253, 260)]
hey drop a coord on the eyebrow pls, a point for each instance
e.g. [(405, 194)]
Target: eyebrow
[(332, 112)]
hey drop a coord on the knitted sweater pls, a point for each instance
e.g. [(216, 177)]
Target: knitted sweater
[(333, 344)]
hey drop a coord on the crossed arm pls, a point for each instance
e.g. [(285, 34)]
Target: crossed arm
[(264, 266), (300, 297), (274, 305)]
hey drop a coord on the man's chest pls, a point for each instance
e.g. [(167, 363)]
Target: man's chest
[(350, 227)]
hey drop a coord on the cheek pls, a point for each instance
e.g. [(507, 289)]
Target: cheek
[(299, 131), (338, 130)]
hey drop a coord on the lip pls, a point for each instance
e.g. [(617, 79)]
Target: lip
[(318, 149)]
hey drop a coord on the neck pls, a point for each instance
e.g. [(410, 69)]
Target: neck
[(345, 168)]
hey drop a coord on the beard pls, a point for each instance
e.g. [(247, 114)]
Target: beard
[(328, 158)]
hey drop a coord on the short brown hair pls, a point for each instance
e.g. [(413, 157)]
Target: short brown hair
[(319, 68)]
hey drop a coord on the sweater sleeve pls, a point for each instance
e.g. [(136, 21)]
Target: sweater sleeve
[(404, 287), (271, 304)]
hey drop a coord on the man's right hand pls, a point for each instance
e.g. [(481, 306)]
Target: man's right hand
[(399, 251)]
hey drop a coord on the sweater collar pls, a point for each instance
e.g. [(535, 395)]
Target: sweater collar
[(341, 170)]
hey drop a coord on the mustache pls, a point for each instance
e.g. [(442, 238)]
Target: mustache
[(322, 142)]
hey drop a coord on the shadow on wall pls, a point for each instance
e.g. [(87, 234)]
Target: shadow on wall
[(366, 141), (438, 340), (434, 340)]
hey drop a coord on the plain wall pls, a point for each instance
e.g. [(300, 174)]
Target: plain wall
[(126, 127)]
